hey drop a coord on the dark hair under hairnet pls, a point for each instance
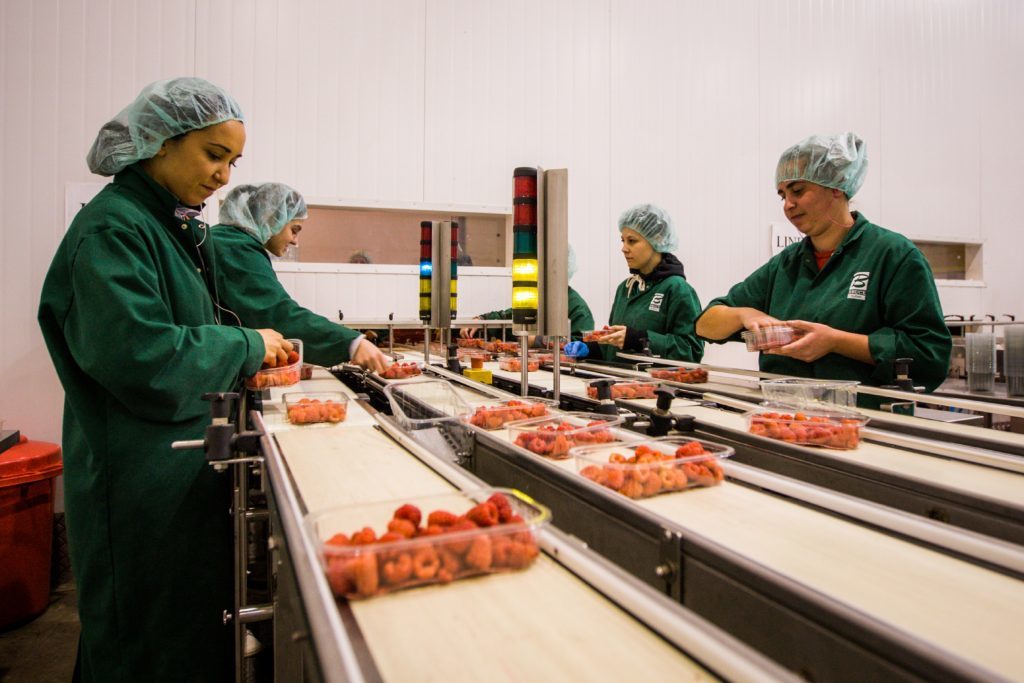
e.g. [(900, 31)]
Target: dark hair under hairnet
[(161, 111), (836, 161), (262, 210)]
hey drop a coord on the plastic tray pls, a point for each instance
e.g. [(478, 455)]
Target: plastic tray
[(402, 544), (420, 403), (626, 389), (646, 468), (694, 376), (596, 335), (283, 376), (836, 429), (403, 370), (553, 436), (304, 408), (811, 393), (768, 337), (502, 347), (546, 358), (515, 364), (495, 415)]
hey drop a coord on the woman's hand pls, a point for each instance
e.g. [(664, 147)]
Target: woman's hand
[(370, 357), (616, 337), (815, 340), (754, 319), (469, 332), (275, 347)]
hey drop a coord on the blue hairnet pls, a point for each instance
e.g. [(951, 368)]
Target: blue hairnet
[(654, 225), (572, 262), (162, 110), (262, 210), (836, 161)]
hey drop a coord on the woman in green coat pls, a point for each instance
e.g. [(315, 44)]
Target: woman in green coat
[(655, 307), (255, 220), (134, 333), (859, 296)]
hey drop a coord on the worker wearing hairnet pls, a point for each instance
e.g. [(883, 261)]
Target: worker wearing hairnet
[(254, 220), (655, 307), (857, 295), (580, 317), (131, 323)]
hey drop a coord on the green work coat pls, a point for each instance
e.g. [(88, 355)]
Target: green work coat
[(580, 317), (664, 313), (876, 283), (248, 286), (129, 322)]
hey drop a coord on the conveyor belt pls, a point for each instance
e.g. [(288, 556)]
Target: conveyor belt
[(950, 603), (502, 627)]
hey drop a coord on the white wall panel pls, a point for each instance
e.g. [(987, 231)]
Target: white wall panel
[(931, 85), (677, 102)]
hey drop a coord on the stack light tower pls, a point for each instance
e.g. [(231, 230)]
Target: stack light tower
[(439, 277), (540, 256)]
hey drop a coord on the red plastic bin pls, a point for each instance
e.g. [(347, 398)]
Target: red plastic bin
[(27, 472)]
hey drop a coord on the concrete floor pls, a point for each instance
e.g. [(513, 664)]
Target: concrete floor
[(43, 650)]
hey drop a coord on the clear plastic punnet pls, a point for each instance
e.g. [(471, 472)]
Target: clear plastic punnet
[(596, 335), (624, 389), (279, 376), (682, 375), (373, 549), (515, 363), (316, 407), (768, 337), (421, 403), (496, 414), (400, 370), (553, 436), (811, 393), (835, 428), (642, 469)]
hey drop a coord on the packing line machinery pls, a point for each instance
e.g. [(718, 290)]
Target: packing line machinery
[(765, 596)]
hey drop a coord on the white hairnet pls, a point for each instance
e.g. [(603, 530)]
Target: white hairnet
[(572, 262), (162, 110), (654, 225), (836, 161), (263, 210)]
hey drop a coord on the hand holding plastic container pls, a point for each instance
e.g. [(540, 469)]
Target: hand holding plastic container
[(282, 375)]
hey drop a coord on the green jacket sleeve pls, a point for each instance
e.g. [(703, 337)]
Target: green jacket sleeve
[(248, 286), (680, 340), (120, 332), (505, 314), (916, 330)]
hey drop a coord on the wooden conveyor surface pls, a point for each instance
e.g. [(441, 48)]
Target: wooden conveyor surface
[(540, 624)]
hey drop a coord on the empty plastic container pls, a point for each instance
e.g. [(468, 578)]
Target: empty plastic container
[(1013, 360), (981, 361)]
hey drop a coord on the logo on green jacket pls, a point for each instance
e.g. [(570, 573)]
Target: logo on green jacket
[(656, 302), (859, 286)]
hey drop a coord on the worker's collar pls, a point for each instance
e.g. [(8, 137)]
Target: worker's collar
[(155, 196)]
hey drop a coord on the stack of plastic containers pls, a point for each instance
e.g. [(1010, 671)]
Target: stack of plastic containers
[(1013, 360), (981, 361)]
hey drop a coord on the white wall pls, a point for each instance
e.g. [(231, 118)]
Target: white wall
[(678, 102)]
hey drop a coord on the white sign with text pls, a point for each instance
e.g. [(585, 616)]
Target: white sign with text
[(783, 235)]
